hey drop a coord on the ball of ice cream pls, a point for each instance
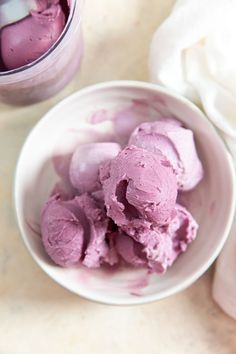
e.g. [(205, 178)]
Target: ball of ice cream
[(63, 231), (75, 230), (176, 143), (26, 40), (164, 244), (157, 248), (85, 162), (138, 185)]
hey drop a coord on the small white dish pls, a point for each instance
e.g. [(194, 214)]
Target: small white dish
[(88, 116)]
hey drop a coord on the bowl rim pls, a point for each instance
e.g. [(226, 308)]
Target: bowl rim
[(201, 270)]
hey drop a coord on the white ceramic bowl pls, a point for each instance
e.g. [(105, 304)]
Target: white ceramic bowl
[(69, 123)]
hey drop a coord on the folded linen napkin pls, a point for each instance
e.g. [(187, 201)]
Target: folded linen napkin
[(194, 53)]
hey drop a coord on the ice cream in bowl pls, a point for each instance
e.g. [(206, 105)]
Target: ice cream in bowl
[(124, 193)]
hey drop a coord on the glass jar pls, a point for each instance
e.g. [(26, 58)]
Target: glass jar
[(48, 74)]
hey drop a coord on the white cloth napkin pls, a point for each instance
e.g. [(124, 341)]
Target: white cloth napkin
[(194, 53)]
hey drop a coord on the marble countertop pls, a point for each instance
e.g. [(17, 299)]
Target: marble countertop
[(37, 315)]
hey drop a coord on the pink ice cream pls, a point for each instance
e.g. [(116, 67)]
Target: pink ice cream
[(120, 206), (176, 143), (131, 251), (85, 162), (63, 231), (74, 231), (97, 249), (138, 186), (26, 40), (158, 248)]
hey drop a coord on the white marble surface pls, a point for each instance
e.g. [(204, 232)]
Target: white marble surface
[(37, 316)]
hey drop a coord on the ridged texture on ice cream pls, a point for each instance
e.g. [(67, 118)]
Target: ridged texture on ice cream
[(130, 250), (138, 185), (157, 248), (26, 40), (75, 230), (176, 143), (122, 205), (85, 162), (63, 231), (97, 248)]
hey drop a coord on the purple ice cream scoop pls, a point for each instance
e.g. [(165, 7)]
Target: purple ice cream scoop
[(157, 248), (85, 162), (63, 231), (167, 242), (176, 143), (74, 231), (138, 185)]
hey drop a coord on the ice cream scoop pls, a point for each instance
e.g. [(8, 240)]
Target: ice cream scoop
[(63, 228), (85, 162), (138, 185), (176, 143), (158, 247), (164, 244), (28, 38), (74, 231)]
